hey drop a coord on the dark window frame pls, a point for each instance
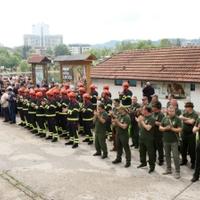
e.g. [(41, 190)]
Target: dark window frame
[(119, 82), (192, 87)]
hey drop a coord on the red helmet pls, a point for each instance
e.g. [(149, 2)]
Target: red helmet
[(26, 91), (32, 92), (72, 95), (63, 91), (86, 96), (66, 86), (37, 90), (49, 93), (80, 84), (106, 92), (92, 86), (82, 90), (21, 90), (56, 91), (106, 87), (125, 85), (43, 89), (68, 91), (39, 94)]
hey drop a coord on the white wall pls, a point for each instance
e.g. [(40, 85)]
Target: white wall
[(195, 97), (137, 91)]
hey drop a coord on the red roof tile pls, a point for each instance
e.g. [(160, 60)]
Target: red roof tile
[(172, 64), (38, 59)]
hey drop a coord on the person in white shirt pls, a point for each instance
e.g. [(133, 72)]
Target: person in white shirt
[(4, 105)]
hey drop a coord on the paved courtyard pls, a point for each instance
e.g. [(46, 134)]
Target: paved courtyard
[(33, 168)]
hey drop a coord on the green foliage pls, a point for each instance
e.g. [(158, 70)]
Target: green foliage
[(61, 49), (8, 59), (178, 42), (128, 45), (164, 43), (49, 52), (24, 66), (101, 53)]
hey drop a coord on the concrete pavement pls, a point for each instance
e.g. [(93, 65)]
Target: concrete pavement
[(33, 168)]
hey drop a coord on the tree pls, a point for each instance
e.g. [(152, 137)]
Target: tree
[(165, 43), (125, 45), (101, 53), (61, 49), (24, 66), (49, 51), (178, 42), (145, 44), (9, 59)]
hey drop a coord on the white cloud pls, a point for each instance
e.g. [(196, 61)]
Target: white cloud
[(94, 21)]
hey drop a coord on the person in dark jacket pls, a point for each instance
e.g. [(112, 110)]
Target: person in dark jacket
[(12, 105), (148, 91)]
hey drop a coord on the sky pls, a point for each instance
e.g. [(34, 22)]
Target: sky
[(99, 21)]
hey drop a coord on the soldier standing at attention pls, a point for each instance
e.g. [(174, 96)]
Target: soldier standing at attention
[(171, 126), (146, 142), (188, 137), (114, 113), (174, 103), (122, 123), (126, 95), (158, 116), (134, 130), (107, 102), (100, 118)]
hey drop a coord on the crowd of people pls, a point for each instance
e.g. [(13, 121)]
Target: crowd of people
[(58, 111)]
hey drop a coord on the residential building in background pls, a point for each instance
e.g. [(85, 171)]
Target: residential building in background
[(41, 38), (79, 48)]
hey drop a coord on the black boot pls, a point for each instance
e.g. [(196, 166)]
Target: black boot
[(142, 165), (49, 137), (74, 146), (54, 140), (86, 140), (194, 179), (42, 135), (116, 161), (90, 142), (128, 164), (97, 154), (69, 143)]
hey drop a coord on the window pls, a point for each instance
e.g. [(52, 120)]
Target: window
[(118, 82), (192, 87), (132, 83)]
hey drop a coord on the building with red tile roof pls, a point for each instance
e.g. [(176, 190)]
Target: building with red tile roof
[(170, 70)]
